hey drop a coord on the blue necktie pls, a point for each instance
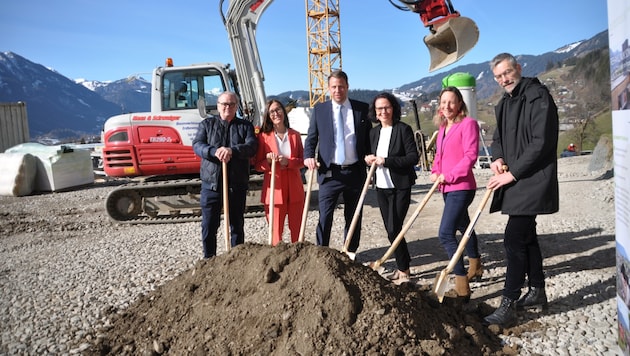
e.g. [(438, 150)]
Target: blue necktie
[(340, 150)]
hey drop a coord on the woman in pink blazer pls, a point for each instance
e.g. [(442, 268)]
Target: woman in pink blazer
[(456, 153), (284, 145)]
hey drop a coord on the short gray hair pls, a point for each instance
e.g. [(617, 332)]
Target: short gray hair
[(502, 57), (231, 94)]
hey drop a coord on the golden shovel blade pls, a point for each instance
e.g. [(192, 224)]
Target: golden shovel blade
[(376, 266), (440, 284), (451, 41), (351, 255)]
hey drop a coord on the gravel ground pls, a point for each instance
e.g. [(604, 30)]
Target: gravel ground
[(64, 266)]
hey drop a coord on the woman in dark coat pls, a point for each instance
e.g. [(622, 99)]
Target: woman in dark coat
[(393, 148)]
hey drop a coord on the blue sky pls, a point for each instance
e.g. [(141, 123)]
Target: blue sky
[(382, 47)]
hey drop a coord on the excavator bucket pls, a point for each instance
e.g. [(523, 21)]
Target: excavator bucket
[(450, 41)]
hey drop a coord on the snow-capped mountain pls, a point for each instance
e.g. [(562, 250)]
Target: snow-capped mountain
[(59, 107), (568, 48), (54, 103), (91, 84)]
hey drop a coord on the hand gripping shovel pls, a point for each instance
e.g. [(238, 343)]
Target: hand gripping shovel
[(357, 212), (377, 265), (439, 286), (307, 200), (272, 191), (226, 206)]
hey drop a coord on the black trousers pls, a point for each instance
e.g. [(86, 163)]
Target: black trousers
[(523, 255), (394, 204), (211, 207)]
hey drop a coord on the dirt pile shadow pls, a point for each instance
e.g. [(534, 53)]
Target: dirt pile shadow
[(292, 299)]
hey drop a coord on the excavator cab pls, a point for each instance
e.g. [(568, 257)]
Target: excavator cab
[(452, 35)]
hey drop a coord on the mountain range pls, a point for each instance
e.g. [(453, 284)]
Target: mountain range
[(61, 108)]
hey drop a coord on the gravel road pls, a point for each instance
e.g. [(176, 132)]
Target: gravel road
[(64, 266)]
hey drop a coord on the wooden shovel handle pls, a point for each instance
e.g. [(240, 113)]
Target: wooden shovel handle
[(272, 191), (462, 244), (226, 205), (307, 201), (441, 279), (357, 211), (406, 227)]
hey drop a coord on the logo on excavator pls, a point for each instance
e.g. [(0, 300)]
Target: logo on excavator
[(155, 118), (160, 139)]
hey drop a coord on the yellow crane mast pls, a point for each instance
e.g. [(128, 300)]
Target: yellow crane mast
[(323, 33)]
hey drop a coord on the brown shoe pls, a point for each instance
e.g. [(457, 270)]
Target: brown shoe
[(400, 277), (475, 269), (462, 288)]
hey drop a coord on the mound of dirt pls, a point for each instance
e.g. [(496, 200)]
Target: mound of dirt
[(292, 299)]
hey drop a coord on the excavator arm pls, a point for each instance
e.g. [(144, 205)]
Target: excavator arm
[(452, 35), (241, 20), (432, 12)]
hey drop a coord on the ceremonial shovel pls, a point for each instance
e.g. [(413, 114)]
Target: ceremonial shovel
[(226, 206), (357, 212), (307, 200), (377, 265), (439, 286), (272, 191)]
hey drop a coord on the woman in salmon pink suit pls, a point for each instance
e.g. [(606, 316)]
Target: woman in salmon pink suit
[(278, 142)]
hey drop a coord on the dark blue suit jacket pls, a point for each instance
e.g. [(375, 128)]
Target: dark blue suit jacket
[(321, 131)]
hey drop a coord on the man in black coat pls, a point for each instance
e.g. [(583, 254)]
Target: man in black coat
[(526, 141), (224, 138)]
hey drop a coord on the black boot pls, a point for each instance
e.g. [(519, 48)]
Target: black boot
[(535, 297), (505, 315)]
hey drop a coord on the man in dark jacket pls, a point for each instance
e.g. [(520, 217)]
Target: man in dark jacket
[(526, 141), (225, 138)]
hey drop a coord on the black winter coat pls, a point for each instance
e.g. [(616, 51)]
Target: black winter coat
[(527, 139), (237, 135)]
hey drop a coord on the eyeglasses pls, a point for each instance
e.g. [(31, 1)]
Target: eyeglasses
[(275, 111), (507, 73), (384, 108), (228, 105)]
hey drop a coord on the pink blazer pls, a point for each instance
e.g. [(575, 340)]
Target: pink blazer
[(456, 154), (288, 185)]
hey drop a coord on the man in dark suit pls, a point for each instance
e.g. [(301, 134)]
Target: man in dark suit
[(341, 128)]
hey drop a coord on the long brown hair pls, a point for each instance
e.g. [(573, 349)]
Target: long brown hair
[(267, 123), (439, 119)]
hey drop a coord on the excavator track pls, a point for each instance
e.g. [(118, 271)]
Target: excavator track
[(168, 201)]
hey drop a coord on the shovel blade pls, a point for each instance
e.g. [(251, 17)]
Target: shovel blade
[(376, 266), (451, 41), (351, 255), (439, 285)]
